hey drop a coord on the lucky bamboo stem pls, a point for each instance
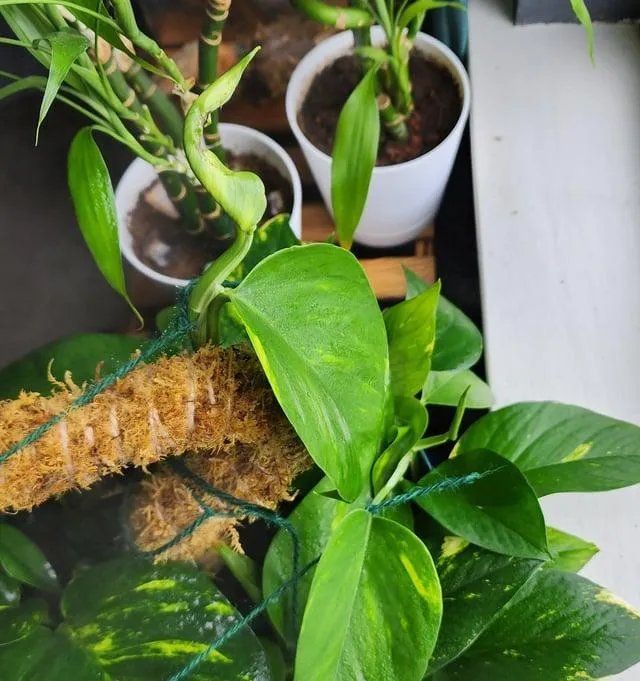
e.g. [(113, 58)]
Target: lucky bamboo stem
[(394, 122), (196, 403)]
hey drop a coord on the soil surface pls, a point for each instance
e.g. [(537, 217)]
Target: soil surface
[(437, 99), (163, 243)]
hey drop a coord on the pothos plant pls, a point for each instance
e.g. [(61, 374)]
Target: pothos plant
[(89, 49), (445, 572)]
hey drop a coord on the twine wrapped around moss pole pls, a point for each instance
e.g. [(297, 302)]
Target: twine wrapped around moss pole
[(199, 403)]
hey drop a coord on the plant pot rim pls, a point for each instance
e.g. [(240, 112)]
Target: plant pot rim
[(343, 44), (138, 164)]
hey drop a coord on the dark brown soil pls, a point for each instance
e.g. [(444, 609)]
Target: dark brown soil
[(164, 244), (437, 99)]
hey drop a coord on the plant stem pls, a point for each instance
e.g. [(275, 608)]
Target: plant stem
[(217, 12), (361, 36), (339, 17), (394, 122)]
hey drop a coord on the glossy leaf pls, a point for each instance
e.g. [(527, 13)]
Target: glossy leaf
[(95, 207), (244, 569), (410, 424), (499, 512), (375, 605), (275, 658), (570, 553), (458, 343), (145, 622), (314, 519), (419, 7), (66, 46), (323, 347), (273, 236), (22, 84), (560, 448), (447, 387), (9, 590), (582, 13), (241, 194), (559, 627), (21, 559), (476, 586), (20, 622), (80, 355), (411, 330), (354, 156)]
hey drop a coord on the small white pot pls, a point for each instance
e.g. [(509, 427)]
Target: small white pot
[(404, 198), (236, 138)]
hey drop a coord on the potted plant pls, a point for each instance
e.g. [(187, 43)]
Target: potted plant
[(389, 567), (380, 125), (169, 227)]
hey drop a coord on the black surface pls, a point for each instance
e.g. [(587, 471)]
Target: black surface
[(559, 11)]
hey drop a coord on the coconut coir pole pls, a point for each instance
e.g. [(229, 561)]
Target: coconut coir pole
[(197, 403)]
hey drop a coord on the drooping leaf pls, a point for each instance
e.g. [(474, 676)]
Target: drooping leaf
[(570, 553), (21, 84), (322, 344), (560, 448), (476, 586), (419, 7), (447, 387), (499, 512), (145, 622), (244, 569), (241, 194), (95, 208), (80, 355), (314, 519), (354, 155), (458, 342), (559, 627), (66, 46), (9, 590), (273, 236), (410, 424), (375, 605), (411, 330), (582, 13), (21, 559)]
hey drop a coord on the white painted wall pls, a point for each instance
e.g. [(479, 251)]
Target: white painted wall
[(556, 162)]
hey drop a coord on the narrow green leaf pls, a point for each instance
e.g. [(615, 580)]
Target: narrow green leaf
[(145, 622), (499, 512), (94, 203), (411, 331), (244, 569), (28, 83), (66, 46), (570, 553), (354, 156), (375, 605), (560, 627), (375, 54), (81, 355), (582, 13), (458, 343), (476, 586), (21, 559), (447, 387), (322, 344), (419, 7), (560, 448)]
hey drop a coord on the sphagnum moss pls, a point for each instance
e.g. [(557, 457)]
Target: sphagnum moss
[(201, 403)]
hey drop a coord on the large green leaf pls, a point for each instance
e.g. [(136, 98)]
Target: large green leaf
[(560, 627), (19, 622), (66, 46), (375, 605), (411, 330), (316, 327), (476, 586), (458, 343), (79, 354), (447, 387), (354, 155), (314, 519), (569, 553), (499, 512), (23, 560), (95, 207), (9, 590), (145, 622), (560, 448)]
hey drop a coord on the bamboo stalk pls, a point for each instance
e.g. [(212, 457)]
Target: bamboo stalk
[(196, 403), (394, 122)]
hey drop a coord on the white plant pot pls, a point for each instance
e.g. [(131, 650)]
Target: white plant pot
[(236, 138), (404, 198)]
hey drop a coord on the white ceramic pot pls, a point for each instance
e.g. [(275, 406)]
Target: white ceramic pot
[(237, 139), (404, 198)]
